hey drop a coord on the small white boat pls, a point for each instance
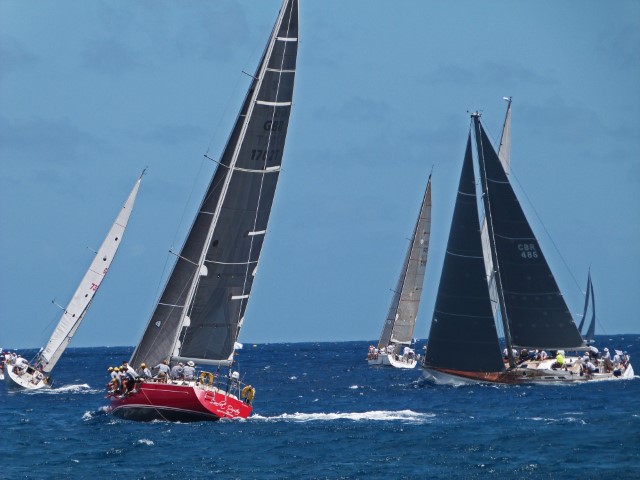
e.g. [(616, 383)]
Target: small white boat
[(394, 347), (36, 375)]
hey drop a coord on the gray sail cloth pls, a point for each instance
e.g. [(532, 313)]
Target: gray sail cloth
[(238, 200), (401, 319), (590, 300), (537, 314), (463, 334)]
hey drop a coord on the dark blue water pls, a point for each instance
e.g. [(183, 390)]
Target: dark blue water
[(321, 412)]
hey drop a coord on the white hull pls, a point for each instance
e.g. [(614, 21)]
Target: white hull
[(389, 360), (441, 378), (531, 373), (26, 378)]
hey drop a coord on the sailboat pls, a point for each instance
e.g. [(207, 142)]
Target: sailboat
[(589, 301), (201, 310), (495, 276), (394, 346), (37, 374)]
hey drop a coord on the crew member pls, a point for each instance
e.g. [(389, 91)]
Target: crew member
[(189, 372)]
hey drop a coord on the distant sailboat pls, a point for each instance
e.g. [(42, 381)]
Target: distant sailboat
[(589, 301), (497, 274), (394, 346), (37, 374), (201, 310)]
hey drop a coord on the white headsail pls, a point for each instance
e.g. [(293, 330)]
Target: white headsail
[(77, 307)]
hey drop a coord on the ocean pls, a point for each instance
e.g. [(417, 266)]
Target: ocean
[(321, 412)]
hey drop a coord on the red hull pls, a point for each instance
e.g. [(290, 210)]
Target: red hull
[(177, 402)]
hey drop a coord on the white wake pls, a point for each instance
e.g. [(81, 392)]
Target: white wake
[(408, 416)]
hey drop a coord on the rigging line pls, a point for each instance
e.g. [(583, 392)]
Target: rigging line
[(513, 174)]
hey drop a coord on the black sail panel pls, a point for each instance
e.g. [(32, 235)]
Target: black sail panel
[(538, 316), (238, 200), (463, 334)]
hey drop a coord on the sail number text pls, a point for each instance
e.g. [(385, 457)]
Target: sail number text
[(273, 125), (527, 250), (264, 155)]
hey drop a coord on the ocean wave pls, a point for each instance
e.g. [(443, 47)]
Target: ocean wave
[(89, 415), (376, 415), (556, 420), (145, 441), (81, 388)]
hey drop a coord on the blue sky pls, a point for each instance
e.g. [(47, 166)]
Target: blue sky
[(93, 92)]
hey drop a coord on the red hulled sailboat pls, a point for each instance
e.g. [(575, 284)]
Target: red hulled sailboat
[(201, 310)]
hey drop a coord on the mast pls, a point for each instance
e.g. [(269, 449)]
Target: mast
[(504, 150), (492, 242), (591, 332), (79, 304)]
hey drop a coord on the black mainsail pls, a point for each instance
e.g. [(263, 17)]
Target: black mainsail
[(401, 319), (463, 333), (201, 310), (530, 300)]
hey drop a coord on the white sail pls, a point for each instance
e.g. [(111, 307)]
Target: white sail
[(488, 265), (77, 307)]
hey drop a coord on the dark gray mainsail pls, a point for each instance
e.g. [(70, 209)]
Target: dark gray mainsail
[(463, 333), (530, 300), (201, 310), (401, 319)]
